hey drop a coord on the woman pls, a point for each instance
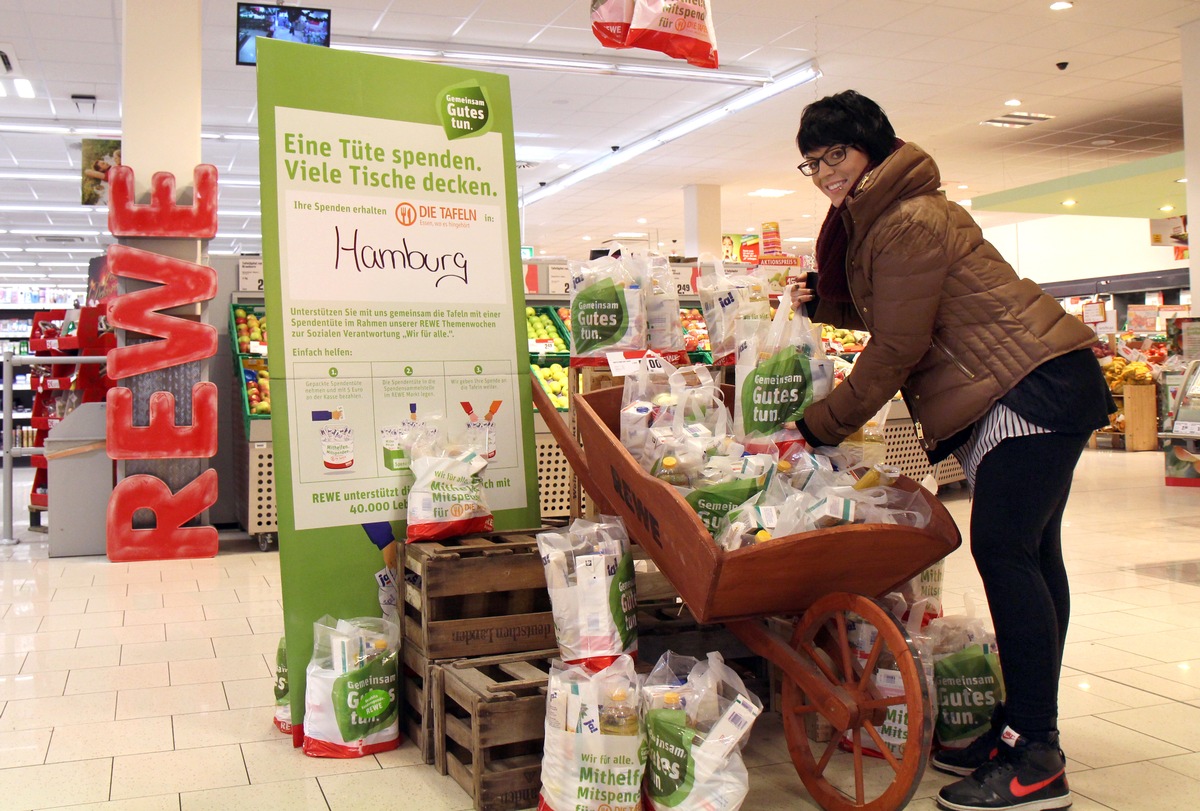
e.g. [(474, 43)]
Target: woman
[(994, 372)]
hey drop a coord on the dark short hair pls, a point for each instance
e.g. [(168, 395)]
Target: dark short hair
[(848, 118)]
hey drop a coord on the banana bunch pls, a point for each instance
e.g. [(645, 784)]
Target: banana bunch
[(1121, 373)]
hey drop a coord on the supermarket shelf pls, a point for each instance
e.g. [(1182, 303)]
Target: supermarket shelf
[(35, 307), (14, 334)]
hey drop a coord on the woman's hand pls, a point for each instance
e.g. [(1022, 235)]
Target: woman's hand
[(801, 293)]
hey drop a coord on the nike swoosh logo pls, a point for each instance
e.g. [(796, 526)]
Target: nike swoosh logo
[(1018, 789)]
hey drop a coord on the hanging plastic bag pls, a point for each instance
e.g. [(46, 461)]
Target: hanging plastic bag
[(781, 370), (283, 705), (679, 28), (447, 497), (350, 704), (589, 574), (698, 718), (595, 748), (728, 300), (966, 670), (610, 21), (608, 311)]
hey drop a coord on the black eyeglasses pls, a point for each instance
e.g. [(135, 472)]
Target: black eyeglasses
[(832, 157)]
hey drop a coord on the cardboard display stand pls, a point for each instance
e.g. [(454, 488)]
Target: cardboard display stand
[(393, 280)]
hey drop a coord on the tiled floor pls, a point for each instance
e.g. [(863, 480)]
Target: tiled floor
[(148, 686)]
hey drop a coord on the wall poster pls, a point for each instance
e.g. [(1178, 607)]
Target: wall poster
[(392, 276)]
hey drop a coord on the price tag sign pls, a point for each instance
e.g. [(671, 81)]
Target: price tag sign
[(257, 348), (1186, 428), (541, 346), (558, 279), (1093, 312), (628, 363), (250, 275), (683, 280)]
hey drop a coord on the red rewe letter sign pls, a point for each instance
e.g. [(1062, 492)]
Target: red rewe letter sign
[(162, 216), (182, 341), (182, 283), (169, 538)]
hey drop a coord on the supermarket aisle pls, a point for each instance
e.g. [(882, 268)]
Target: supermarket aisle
[(148, 686)]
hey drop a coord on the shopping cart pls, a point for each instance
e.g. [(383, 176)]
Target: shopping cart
[(831, 578)]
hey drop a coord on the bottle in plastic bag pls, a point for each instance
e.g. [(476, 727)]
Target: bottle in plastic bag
[(670, 472), (619, 716)]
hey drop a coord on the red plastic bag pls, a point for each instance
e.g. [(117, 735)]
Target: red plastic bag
[(679, 28), (610, 21)]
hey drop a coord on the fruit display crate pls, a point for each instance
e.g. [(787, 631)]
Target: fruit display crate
[(252, 373), (549, 337), (555, 380), (244, 339)]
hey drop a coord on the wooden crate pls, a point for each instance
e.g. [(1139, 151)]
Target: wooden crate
[(476, 596), (490, 714), (418, 680), (1141, 418)]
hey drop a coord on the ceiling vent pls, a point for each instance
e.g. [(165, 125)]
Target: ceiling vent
[(527, 165), (1016, 119), (52, 239)]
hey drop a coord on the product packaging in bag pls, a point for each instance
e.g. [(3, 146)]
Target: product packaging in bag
[(966, 670), (608, 312), (781, 370), (350, 703), (644, 395), (698, 717), (283, 705), (664, 325), (679, 28), (728, 300), (447, 497), (595, 749), (589, 574), (893, 730)]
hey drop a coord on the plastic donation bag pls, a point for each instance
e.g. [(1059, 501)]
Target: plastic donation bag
[(698, 717), (595, 750), (283, 705), (589, 574), (350, 702)]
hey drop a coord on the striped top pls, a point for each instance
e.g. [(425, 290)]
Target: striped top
[(999, 423)]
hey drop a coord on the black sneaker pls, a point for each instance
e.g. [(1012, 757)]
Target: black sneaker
[(1025, 775), (966, 760)]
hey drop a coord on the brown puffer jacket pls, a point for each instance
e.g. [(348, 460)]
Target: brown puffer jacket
[(951, 323)]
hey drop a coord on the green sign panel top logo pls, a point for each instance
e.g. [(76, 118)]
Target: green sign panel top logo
[(464, 111)]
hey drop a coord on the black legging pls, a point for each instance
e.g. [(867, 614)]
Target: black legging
[(1021, 489)]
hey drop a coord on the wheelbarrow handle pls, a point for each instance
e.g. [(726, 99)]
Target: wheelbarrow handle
[(566, 441)]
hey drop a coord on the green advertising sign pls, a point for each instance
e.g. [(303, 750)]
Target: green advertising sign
[(392, 283)]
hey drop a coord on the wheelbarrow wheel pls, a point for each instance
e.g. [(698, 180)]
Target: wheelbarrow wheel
[(873, 763)]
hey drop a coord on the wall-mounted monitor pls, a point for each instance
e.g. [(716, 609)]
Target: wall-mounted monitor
[(291, 23)]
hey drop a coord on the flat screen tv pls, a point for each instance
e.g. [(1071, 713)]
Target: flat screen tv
[(291, 23)]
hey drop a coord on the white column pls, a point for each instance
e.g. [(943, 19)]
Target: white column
[(160, 132), (1189, 36), (160, 99), (702, 220)]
